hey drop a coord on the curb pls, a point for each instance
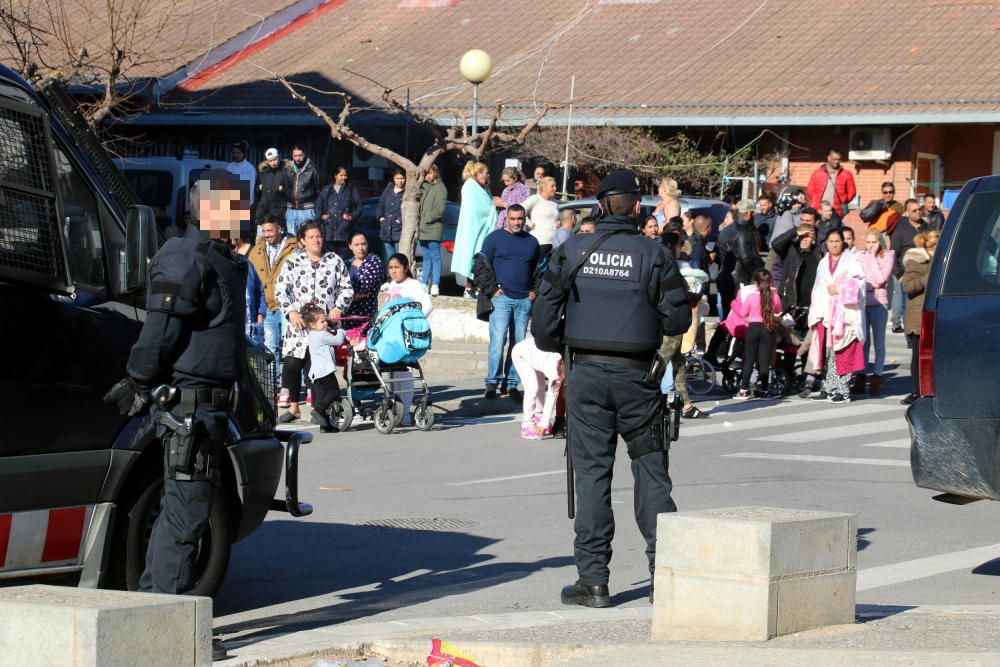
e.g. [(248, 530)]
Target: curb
[(408, 642)]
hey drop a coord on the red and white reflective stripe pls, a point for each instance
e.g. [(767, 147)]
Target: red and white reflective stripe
[(43, 538)]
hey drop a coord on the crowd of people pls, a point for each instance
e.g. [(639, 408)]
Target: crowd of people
[(783, 270)]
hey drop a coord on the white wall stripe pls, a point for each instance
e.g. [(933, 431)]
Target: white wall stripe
[(818, 459)]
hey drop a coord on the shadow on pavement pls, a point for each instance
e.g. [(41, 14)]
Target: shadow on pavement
[(865, 613), (377, 568), (863, 541), (990, 568)]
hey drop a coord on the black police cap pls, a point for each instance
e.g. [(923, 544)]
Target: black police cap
[(618, 182)]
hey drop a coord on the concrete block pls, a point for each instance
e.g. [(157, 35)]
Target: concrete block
[(752, 573), (53, 625)]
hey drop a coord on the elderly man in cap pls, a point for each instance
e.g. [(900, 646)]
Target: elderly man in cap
[(608, 298), (739, 254)]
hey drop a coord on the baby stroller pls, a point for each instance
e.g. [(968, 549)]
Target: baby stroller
[(398, 336)]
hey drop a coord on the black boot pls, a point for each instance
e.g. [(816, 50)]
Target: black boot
[(588, 596)]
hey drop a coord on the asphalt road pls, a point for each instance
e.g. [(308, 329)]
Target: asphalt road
[(469, 518)]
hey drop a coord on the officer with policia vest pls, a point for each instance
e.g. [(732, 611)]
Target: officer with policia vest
[(606, 302), (183, 366)]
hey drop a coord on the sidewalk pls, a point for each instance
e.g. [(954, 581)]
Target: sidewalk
[(577, 636)]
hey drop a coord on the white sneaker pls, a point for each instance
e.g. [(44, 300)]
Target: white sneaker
[(384, 287), (435, 291)]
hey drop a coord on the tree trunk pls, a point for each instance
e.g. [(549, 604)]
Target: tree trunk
[(411, 213)]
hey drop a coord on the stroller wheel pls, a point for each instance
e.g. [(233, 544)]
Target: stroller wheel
[(780, 382), (397, 412), (730, 381), (384, 418), (423, 417), (343, 412)]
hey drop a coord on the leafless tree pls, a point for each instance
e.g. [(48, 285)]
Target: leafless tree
[(457, 138), (102, 43)]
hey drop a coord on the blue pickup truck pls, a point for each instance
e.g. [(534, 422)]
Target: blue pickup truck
[(955, 424)]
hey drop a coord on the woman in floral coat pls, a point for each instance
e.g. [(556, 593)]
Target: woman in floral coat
[(308, 277)]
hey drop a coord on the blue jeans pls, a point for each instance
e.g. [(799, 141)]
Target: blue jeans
[(898, 302), (296, 217), (667, 383), (876, 317), (272, 333), (508, 316), (432, 262), (390, 249)]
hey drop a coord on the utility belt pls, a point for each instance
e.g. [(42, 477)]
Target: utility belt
[(637, 360), (188, 446)]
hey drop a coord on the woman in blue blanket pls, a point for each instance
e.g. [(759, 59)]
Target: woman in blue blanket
[(476, 218)]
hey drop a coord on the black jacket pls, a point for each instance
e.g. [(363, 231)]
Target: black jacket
[(390, 214), (194, 332), (739, 252), (934, 219), (301, 186), (823, 229), (765, 226), (698, 255), (626, 295), (799, 270), (485, 281), (271, 192), (336, 205), (901, 240)]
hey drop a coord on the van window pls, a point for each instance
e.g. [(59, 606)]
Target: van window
[(154, 188), (82, 228), (972, 260)]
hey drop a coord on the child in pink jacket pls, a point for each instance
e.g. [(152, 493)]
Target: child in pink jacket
[(535, 367), (877, 263)]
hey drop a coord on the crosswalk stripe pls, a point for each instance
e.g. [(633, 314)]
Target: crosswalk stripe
[(818, 459), (847, 412), (836, 433), (898, 444)]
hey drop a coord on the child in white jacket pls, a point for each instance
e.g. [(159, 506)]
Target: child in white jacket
[(535, 367)]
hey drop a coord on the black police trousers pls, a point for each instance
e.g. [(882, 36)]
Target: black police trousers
[(604, 400), (185, 506)]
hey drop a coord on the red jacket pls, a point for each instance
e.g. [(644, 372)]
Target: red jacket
[(843, 188)]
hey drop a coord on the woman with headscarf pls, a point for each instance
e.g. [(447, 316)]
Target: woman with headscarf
[(476, 218)]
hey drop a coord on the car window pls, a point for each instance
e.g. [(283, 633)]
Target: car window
[(972, 260), (82, 224), (154, 188)]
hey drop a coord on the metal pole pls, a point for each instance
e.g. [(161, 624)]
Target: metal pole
[(569, 127), (722, 185), (407, 135), (756, 178), (475, 109)]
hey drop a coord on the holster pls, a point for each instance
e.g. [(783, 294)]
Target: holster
[(187, 447), (659, 433)]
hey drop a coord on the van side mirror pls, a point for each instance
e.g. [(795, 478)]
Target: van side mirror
[(140, 246)]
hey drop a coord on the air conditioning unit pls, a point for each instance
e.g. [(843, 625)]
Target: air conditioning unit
[(365, 159), (870, 143)]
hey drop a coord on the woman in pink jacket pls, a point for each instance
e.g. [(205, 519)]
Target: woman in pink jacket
[(877, 263), (758, 304)]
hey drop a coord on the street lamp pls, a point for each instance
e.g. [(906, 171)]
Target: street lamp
[(476, 66)]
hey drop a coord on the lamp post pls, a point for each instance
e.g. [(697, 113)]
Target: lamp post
[(476, 66)]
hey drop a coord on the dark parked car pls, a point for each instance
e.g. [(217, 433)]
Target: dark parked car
[(955, 424)]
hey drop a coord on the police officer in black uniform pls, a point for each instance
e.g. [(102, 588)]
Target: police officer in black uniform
[(189, 354), (610, 297)]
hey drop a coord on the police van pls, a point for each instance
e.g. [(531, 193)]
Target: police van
[(79, 483)]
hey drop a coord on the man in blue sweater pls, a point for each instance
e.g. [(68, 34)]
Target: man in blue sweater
[(513, 255)]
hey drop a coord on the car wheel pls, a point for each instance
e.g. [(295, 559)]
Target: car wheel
[(135, 526)]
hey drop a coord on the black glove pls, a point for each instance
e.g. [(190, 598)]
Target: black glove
[(127, 397)]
